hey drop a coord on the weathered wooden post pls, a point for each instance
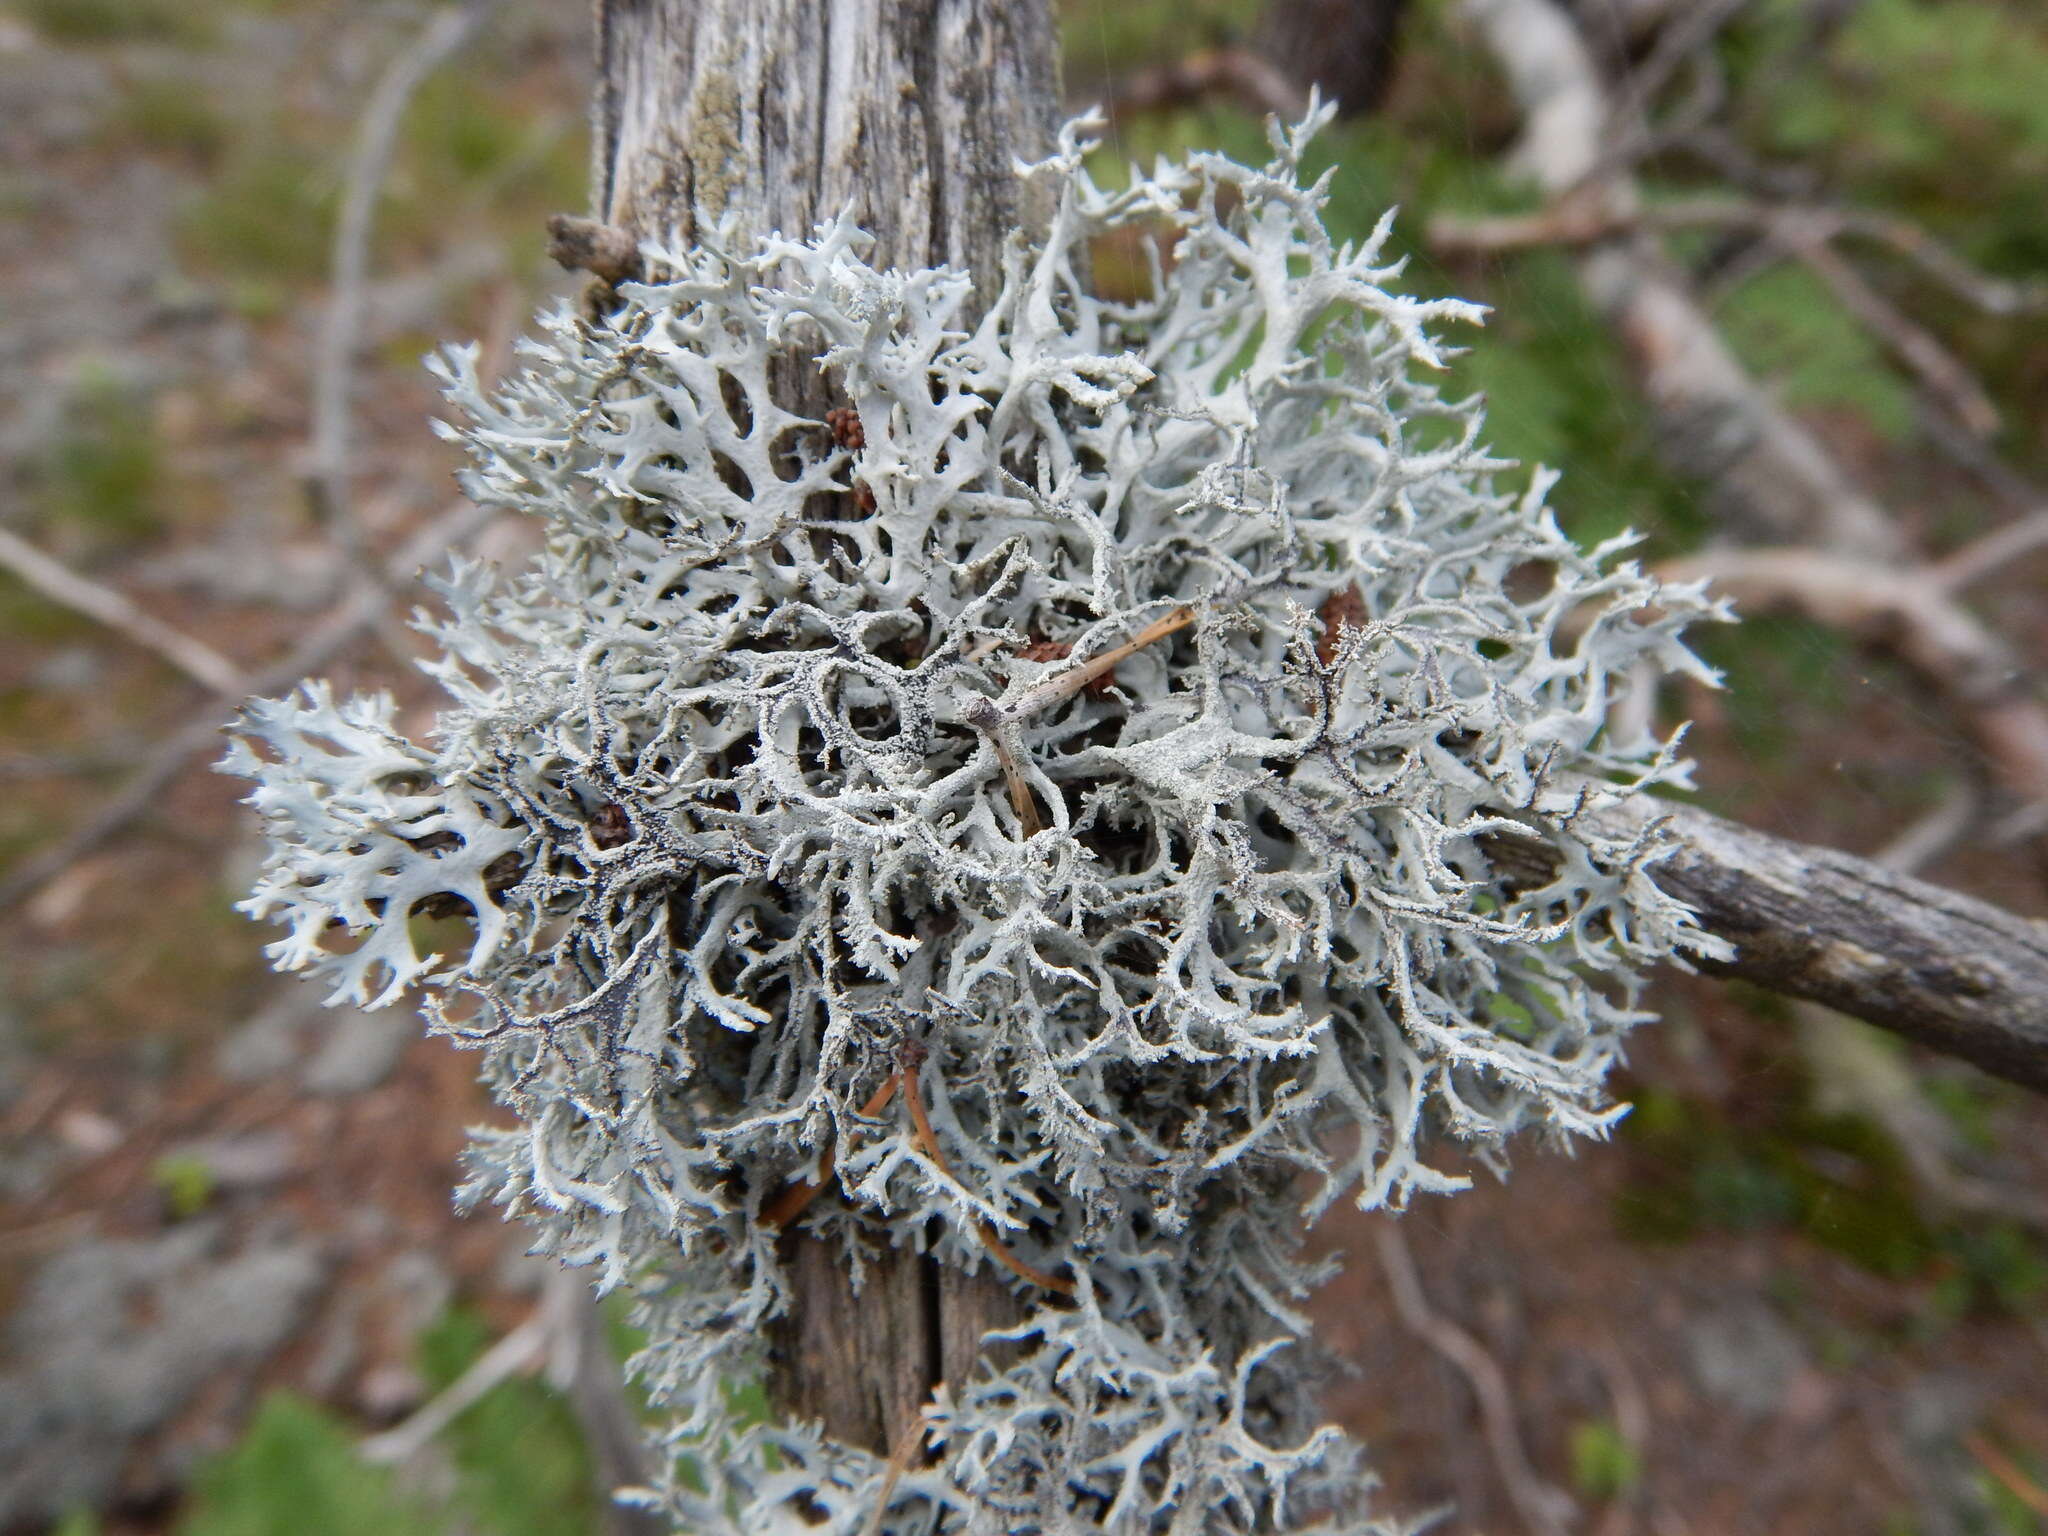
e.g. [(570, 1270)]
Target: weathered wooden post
[(911, 114)]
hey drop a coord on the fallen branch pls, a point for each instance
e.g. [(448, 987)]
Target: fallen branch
[(364, 606), (1940, 370), (519, 1352), (1912, 612), (1942, 969), (1772, 472), (582, 1367), (60, 584), (1577, 219), (1991, 553)]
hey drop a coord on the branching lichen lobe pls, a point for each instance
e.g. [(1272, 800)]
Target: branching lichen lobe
[(802, 785)]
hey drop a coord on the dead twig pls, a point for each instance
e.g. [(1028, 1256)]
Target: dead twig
[(582, 1367), (340, 332), (168, 762), (999, 721), (59, 583), (1912, 343), (1990, 554), (603, 250), (791, 1202), (900, 1456), (1542, 1507), (1914, 616), (1243, 76), (1631, 1422), (519, 1352), (2010, 1475), (1573, 218), (928, 1143)]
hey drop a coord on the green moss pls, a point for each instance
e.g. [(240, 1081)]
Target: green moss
[(1791, 671), (111, 21), (1604, 1465), (268, 217), (103, 471), (1834, 1178), (519, 1456), (1788, 327), (457, 131), (1837, 1180), (1996, 1266), (1917, 83), (167, 115), (295, 1472), (1103, 41), (185, 1181), (1854, 1195), (28, 615)]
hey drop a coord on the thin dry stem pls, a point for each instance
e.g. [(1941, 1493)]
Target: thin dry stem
[(1543, 1508), (56, 581)]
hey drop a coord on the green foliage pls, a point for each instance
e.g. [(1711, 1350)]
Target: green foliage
[(1998, 1266), (1604, 1465), (167, 115), (520, 1459), (266, 218), (186, 1183), (1791, 670), (1711, 1175), (1790, 331), (1922, 84), (1836, 1179), (1103, 41), (2000, 1511), (103, 470), (109, 21), (295, 1472), (472, 145), (103, 467)]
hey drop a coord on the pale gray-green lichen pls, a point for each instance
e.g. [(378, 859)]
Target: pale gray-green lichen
[(722, 784)]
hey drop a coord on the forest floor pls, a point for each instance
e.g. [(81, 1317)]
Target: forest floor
[(227, 1242)]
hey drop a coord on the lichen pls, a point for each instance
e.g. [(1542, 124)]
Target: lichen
[(796, 851)]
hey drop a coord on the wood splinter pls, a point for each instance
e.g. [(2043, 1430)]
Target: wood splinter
[(997, 722), (604, 251)]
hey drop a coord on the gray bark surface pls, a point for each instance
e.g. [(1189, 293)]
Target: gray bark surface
[(911, 114), (1943, 969)]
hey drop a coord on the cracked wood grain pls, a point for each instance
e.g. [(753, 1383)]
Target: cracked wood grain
[(1944, 970), (910, 115)]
